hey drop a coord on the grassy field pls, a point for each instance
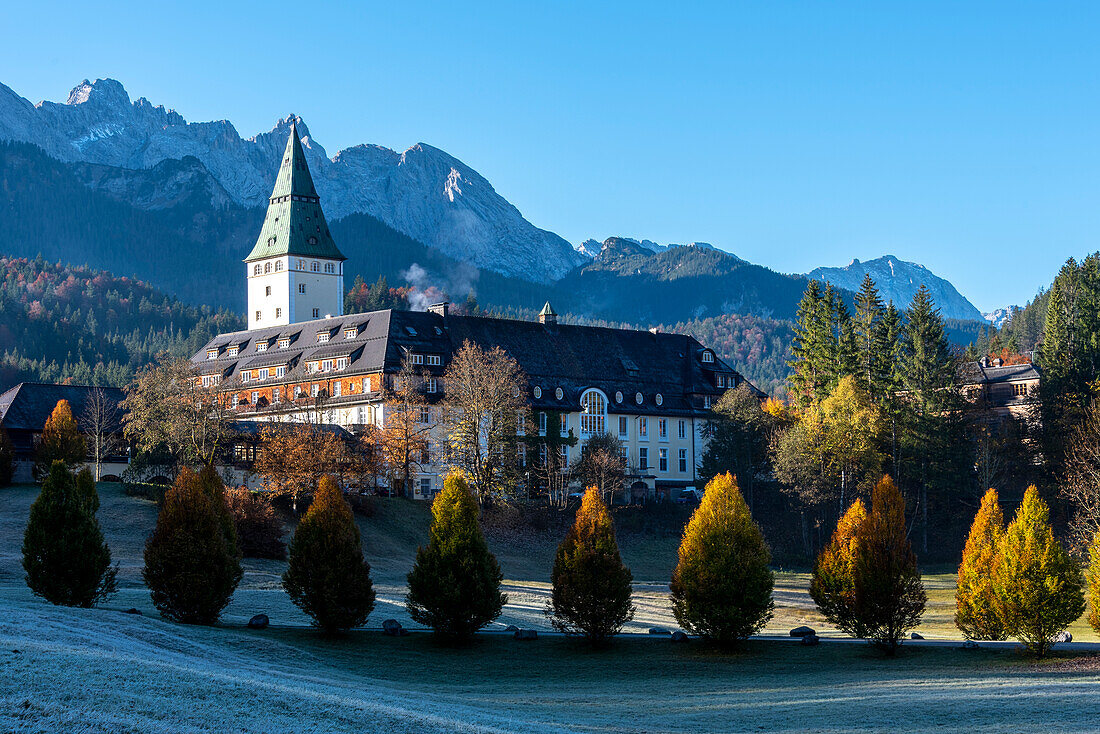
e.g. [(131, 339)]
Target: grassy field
[(102, 670)]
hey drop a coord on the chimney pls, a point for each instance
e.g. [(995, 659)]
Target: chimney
[(547, 316), (998, 362), (653, 330), (442, 309)]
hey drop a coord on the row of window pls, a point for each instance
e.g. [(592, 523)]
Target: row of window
[(591, 426), (277, 266), (591, 394), (428, 359)]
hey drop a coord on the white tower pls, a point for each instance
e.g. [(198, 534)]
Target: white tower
[(295, 272)]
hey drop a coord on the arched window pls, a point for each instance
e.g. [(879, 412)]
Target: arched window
[(593, 412), (315, 267), (267, 267), (330, 268), (256, 269), (278, 265)]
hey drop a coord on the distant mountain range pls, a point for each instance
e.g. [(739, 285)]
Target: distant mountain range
[(898, 281), (135, 189)]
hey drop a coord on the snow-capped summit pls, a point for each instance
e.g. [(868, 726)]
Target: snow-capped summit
[(424, 192), (898, 281), (999, 316)]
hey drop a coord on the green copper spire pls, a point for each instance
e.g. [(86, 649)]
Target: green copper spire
[(295, 224)]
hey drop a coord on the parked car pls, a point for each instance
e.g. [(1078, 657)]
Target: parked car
[(689, 496)]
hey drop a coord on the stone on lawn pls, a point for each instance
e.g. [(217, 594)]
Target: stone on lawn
[(803, 631), (392, 628), (511, 628), (810, 639), (679, 636), (659, 631), (131, 610), (259, 622), (916, 636), (527, 635)]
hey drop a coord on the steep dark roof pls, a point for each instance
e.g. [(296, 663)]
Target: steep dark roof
[(573, 358), (295, 224), (26, 406)]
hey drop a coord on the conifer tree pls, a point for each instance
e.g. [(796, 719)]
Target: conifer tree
[(192, 565), (327, 577), (889, 596), (7, 458), (454, 586), (591, 586), (722, 586), (832, 586), (810, 347), (871, 339), (843, 347), (1039, 588), (61, 440), (1093, 578), (65, 557), (86, 491), (976, 611)]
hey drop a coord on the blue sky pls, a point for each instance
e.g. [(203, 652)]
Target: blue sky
[(959, 135)]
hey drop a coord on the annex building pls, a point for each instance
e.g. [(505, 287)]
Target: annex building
[(301, 359)]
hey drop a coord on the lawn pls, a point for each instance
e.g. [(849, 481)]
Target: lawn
[(103, 670)]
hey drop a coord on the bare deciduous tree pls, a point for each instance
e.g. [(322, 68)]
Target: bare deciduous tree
[(485, 395), (1082, 487), (602, 465), (406, 426), (101, 422)]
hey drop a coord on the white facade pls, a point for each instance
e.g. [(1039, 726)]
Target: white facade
[(289, 289)]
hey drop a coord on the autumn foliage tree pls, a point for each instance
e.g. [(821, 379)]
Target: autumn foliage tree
[(1093, 579), (454, 586), (327, 577), (832, 586), (65, 557), (61, 441), (976, 612), (1039, 587), (192, 565), (293, 457), (722, 585), (591, 586)]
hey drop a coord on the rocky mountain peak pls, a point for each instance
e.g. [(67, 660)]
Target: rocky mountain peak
[(103, 91)]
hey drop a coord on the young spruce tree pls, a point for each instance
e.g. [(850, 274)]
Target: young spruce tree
[(976, 612), (65, 557), (889, 595), (327, 577), (454, 586), (61, 441), (192, 565), (591, 586), (832, 586), (722, 585), (1039, 588)]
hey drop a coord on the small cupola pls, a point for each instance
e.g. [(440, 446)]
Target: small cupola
[(547, 315)]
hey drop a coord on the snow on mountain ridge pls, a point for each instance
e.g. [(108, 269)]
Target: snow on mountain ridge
[(424, 192), (897, 281)]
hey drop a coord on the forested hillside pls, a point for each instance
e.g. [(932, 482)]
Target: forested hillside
[(62, 323)]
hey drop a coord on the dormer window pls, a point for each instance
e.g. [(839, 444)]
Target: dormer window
[(341, 363), (351, 332), (559, 393), (434, 360), (708, 356), (638, 398), (284, 342), (212, 353), (659, 398), (261, 346), (416, 358), (322, 337), (618, 396), (233, 350), (313, 240), (537, 392)]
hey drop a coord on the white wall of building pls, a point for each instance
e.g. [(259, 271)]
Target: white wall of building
[(276, 297)]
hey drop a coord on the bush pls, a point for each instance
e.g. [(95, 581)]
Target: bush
[(1039, 588), (722, 586), (591, 586), (889, 595), (61, 441), (975, 601), (327, 577), (454, 586), (259, 528), (7, 458), (832, 586), (65, 556), (192, 565)]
